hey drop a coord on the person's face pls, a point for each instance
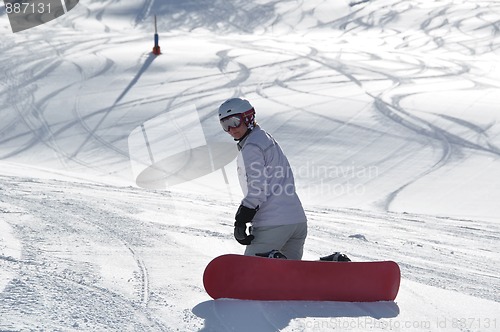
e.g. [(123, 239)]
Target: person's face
[(235, 126), (238, 132)]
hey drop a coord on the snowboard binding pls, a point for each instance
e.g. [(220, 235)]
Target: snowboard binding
[(336, 257), (272, 254)]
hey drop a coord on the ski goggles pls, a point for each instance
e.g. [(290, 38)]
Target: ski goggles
[(235, 121)]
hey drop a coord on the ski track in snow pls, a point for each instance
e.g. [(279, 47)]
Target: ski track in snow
[(70, 232), (50, 228), (100, 257)]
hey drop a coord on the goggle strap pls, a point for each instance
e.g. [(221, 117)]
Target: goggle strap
[(248, 113), (248, 116)]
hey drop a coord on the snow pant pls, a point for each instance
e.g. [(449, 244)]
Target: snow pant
[(289, 239)]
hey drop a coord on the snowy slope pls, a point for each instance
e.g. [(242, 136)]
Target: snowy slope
[(385, 108)]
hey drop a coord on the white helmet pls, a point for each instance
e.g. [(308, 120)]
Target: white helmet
[(235, 106)]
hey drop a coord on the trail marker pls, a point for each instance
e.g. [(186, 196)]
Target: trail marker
[(156, 48)]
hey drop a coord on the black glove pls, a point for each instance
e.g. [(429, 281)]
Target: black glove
[(240, 234), (243, 215)]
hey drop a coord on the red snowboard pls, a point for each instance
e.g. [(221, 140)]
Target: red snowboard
[(257, 278)]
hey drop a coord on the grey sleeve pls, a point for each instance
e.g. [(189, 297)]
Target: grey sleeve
[(256, 176)]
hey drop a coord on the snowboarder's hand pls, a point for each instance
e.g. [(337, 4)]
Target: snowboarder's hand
[(240, 234), (243, 215)]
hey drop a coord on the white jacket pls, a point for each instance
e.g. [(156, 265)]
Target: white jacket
[(266, 179)]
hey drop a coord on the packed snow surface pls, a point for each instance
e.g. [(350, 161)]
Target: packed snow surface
[(118, 186)]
